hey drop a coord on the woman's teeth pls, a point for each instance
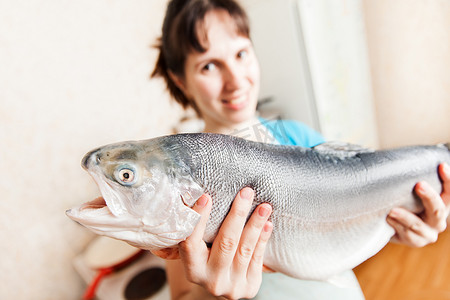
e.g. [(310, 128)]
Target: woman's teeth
[(236, 100)]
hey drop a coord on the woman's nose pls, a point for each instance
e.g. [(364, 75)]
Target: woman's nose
[(233, 77)]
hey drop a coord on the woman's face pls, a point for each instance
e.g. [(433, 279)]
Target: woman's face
[(223, 81)]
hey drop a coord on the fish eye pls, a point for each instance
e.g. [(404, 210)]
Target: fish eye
[(126, 175)]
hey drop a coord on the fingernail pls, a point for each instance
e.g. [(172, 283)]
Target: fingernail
[(201, 202), (446, 170), (247, 193), (268, 226), (263, 211), (420, 187), (394, 213)]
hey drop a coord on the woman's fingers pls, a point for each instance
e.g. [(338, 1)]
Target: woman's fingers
[(167, 253), (444, 173), (193, 250), (251, 235), (423, 229), (233, 266), (435, 213), (410, 229), (266, 269), (256, 264), (203, 207), (227, 240)]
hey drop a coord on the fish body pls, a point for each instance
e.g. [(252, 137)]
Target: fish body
[(329, 203)]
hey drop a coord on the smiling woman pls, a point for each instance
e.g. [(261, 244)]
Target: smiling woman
[(224, 78)]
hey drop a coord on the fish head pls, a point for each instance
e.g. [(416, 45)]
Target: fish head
[(147, 195)]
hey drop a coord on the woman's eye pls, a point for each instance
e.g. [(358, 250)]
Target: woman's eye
[(126, 176), (242, 54), (209, 67)]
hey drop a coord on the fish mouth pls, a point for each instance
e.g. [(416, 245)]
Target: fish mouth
[(97, 203), (97, 216), (85, 210)]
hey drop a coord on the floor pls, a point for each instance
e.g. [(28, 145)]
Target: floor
[(402, 273)]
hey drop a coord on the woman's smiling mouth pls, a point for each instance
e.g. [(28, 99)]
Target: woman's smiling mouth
[(236, 102)]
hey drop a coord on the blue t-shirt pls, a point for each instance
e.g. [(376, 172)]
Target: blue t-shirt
[(288, 132)]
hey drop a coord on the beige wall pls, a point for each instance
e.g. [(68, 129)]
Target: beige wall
[(409, 48), (73, 76)]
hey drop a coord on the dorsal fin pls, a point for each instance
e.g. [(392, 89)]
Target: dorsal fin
[(341, 149)]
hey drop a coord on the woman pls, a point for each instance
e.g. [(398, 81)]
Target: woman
[(207, 60)]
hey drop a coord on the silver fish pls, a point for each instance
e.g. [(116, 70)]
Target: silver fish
[(329, 203)]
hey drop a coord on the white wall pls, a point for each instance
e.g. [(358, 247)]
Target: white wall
[(336, 47), (379, 70), (285, 76), (315, 65), (73, 75), (409, 47)]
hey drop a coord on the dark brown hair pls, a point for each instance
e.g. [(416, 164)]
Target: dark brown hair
[(179, 37)]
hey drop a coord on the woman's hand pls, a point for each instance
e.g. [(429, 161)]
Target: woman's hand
[(423, 229), (233, 266)]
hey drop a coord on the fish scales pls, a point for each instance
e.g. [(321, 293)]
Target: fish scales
[(329, 203), (290, 178)]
